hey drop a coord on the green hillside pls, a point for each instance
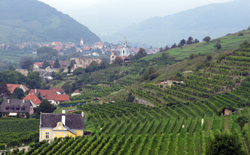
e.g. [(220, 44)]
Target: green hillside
[(200, 87), (228, 43), (35, 21)]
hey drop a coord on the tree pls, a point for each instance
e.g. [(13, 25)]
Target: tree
[(44, 107), (11, 67), (225, 144), (43, 50), (166, 48), (33, 80), (18, 93), (182, 42), (174, 45), (161, 49), (4, 92), (45, 64), (196, 41), (218, 46), (207, 39), (57, 64), (130, 98), (190, 40), (71, 64), (245, 44), (27, 64), (69, 69), (118, 61), (53, 52), (242, 120)]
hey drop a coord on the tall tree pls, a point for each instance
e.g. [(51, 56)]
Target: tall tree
[(196, 41), (118, 61), (166, 48), (11, 67), (57, 64), (27, 64), (174, 45), (43, 50), (182, 42), (4, 92), (207, 39), (45, 64), (18, 93)]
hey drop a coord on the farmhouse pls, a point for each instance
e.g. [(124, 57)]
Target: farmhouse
[(14, 106), (60, 125)]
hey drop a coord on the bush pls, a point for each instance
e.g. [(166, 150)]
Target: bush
[(218, 46), (241, 34)]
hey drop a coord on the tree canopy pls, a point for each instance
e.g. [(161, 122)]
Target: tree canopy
[(18, 93), (225, 144), (44, 107), (242, 120), (45, 64), (27, 64), (57, 64), (207, 39)]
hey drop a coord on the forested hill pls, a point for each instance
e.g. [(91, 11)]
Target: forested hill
[(31, 20)]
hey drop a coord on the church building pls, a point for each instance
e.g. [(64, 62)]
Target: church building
[(124, 54)]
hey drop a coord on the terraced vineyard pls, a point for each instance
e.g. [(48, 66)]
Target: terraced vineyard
[(127, 128), (173, 126)]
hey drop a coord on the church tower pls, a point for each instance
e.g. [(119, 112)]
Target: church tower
[(81, 42), (125, 50)]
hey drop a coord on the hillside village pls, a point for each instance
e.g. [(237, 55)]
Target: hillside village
[(99, 98)]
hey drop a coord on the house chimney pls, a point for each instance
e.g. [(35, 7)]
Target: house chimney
[(23, 101), (63, 117), (82, 114), (35, 91), (8, 101)]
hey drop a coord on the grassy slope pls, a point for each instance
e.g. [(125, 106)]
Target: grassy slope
[(229, 43)]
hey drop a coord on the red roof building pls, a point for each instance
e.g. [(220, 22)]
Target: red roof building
[(86, 48), (59, 91), (33, 99), (12, 87), (52, 95), (58, 48)]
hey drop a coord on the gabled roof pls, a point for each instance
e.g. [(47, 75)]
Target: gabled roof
[(39, 64), (33, 98), (76, 91), (59, 89), (72, 121), (62, 98), (16, 106), (12, 87), (45, 94)]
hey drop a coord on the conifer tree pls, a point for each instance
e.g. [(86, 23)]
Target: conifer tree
[(57, 64)]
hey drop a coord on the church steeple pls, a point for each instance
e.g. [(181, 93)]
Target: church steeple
[(125, 51)]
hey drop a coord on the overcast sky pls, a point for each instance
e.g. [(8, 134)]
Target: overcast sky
[(109, 16)]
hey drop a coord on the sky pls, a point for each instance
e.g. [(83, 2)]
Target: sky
[(105, 17)]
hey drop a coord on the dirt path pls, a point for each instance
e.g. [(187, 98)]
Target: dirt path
[(245, 145), (20, 148)]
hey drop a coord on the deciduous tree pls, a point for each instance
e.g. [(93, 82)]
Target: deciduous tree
[(18, 93), (207, 39), (27, 64), (242, 120), (45, 64)]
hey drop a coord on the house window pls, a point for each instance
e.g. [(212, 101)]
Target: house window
[(47, 135)]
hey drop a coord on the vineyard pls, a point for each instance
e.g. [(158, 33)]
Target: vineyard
[(183, 119), (17, 131), (127, 128)]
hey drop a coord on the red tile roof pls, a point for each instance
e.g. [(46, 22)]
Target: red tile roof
[(59, 89), (12, 87), (58, 48), (39, 64), (62, 98), (45, 94), (76, 91), (33, 98), (86, 48)]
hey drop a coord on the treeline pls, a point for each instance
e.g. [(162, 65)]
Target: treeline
[(32, 80)]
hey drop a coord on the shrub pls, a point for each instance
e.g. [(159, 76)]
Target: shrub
[(218, 46)]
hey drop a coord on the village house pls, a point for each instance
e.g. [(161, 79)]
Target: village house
[(12, 87), (84, 62), (14, 106), (33, 100), (75, 93), (53, 96), (60, 125), (95, 54)]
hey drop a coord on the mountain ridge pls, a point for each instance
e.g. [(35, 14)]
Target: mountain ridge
[(35, 21)]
